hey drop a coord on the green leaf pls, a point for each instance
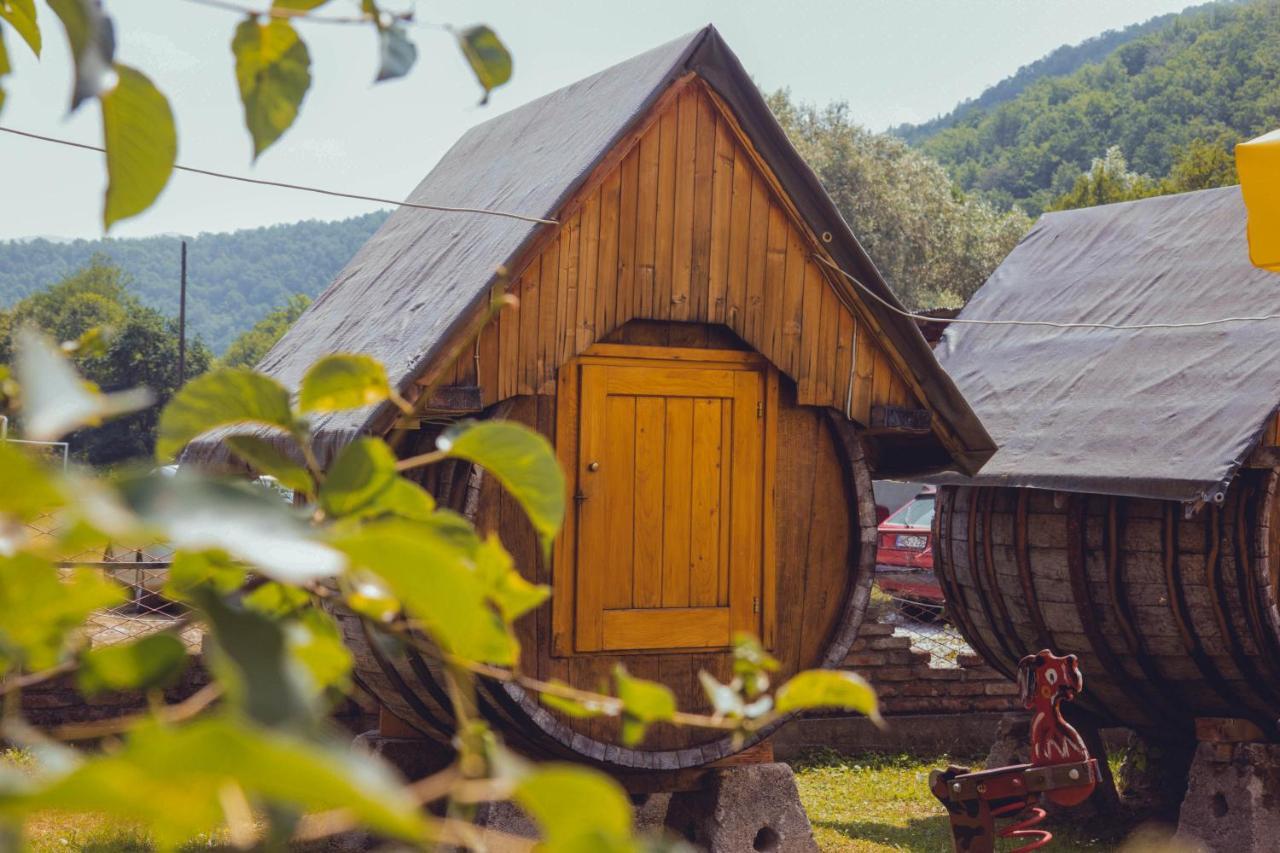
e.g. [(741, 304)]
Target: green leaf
[(55, 399), (297, 5), (577, 809), (189, 570), (504, 585), (751, 663), (429, 567), (488, 56), (313, 640), (580, 709), (828, 688), (266, 457), (173, 781), (39, 492), (5, 68), (39, 612), (643, 703), (21, 15), (396, 54), (364, 469), (93, 47), (153, 661), (141, 143), (234, 518), (523, 462), (273, 69), (226, 397), (343, 381)]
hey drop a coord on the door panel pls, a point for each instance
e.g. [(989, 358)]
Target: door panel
[(671, 500)]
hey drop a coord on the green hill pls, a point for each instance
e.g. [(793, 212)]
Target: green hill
[(1062, 60), (1206, 75), (233, 279)]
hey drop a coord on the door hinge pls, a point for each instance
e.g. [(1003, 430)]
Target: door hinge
[(755, 604), (760, 409)]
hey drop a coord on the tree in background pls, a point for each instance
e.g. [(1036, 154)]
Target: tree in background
[(249, 348), (139, 346), (933, 244), (1200, 165)]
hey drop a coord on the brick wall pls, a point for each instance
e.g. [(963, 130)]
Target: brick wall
[(907, 684)]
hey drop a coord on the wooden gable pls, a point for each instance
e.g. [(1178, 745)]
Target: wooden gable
[(683, 221)]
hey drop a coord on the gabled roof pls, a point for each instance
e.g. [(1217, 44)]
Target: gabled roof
[(422, 276), (1164, 413)]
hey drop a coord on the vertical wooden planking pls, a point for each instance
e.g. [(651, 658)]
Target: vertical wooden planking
[(650, 449), (607, 264), (487, 376), (704, 548), (721, 218), (528, 358), (593, 546), (775, 272), (618, 469), (726, 492), (646, 222), (810, 332), (739, 240), (682, 235), (844, 360), (665, 228), (792, 303), (757, 247), (564, 550), (768, 532), (881, 378), (864, 368), (676, 503), (826, 349), (703, 167), (630, 169), (744, 575), (566, 323), (548, 304), (589, 254)]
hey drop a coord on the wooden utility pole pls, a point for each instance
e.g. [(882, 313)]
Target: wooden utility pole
[(182, 320)]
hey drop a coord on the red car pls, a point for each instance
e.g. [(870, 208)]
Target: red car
[(904, 551)]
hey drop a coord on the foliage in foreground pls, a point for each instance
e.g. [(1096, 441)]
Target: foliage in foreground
[(250, 757)]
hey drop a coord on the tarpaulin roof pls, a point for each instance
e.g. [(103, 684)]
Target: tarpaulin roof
[(421, 276), (1165, 412)]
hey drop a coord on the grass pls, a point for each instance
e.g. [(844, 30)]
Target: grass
[(877, 803), (858, 804)]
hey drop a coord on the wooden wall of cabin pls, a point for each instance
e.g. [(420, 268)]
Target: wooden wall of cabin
[(817, 554), (684, 223)]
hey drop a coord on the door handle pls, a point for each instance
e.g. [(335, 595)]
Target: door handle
[(593, 466)]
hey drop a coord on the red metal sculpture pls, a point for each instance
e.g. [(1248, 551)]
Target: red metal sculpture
[(1060, 767)]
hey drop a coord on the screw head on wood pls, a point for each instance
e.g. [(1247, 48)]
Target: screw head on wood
[(1074, 773), (594, 466)]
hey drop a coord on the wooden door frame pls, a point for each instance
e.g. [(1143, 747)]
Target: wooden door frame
[(564, 550)]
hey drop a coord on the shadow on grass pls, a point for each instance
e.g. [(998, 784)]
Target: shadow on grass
[(919, 835)]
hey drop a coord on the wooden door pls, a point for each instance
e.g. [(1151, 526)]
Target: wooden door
[(671, 504)]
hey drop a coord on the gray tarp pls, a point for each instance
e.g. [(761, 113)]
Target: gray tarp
[(1165, 413), (423, 273)]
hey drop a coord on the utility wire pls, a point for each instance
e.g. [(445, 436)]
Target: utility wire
[(1045, 323), (260, 182)]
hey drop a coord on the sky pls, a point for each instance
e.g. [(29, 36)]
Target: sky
[(893, 61)]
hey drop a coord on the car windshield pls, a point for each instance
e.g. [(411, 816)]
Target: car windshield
[(918, 513)]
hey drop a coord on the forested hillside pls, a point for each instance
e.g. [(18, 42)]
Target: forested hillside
[(1210, 76), (1062, 60), (233, 280)]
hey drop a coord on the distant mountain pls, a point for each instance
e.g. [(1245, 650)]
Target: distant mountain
[(1062, 60), (233, 279), (1205, 76)]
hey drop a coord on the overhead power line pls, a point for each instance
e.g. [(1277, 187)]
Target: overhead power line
[(1053, 324), (299, 187)]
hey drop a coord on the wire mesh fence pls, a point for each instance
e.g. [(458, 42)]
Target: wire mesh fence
[(926, 624)]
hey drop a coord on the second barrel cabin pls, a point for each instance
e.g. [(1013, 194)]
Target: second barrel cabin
[(718, 395), (1131, 515)]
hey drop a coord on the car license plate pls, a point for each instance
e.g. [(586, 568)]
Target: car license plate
[(911, 543)]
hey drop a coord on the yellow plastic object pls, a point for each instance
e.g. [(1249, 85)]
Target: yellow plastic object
[(1258, 162)]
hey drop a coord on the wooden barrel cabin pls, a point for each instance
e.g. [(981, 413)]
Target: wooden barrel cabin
[(1130, 515), (718, 397)]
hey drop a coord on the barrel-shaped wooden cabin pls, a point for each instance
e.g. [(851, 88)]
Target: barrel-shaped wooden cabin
[(1131, 514), (718, 397)]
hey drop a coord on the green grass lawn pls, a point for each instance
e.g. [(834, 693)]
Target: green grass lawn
[(857, 804), (860, 804)]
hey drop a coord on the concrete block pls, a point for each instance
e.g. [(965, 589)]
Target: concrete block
[(1231, 798), (743, 809)]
